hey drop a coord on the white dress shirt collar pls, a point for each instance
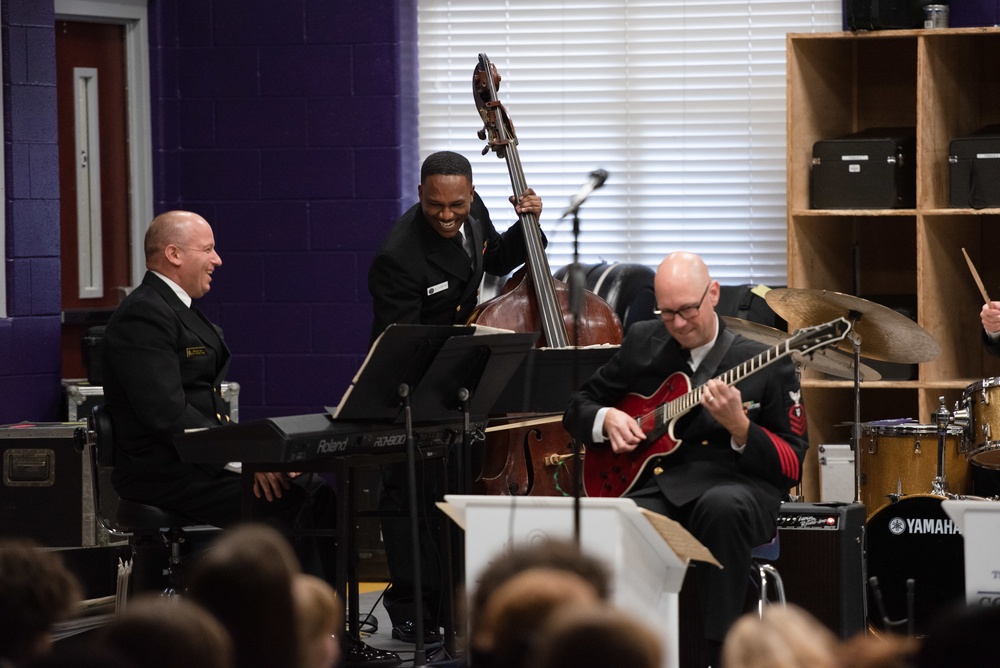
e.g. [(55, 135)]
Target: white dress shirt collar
[(183, 296)]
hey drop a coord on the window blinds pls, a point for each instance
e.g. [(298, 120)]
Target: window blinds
[(681, 101)]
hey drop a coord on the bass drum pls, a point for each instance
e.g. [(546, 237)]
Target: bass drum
[(916, 539)]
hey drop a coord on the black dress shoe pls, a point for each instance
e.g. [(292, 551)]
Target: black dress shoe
[(357, 653), (407, 632)]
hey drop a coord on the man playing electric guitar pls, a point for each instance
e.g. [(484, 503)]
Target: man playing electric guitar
[(740, 451)]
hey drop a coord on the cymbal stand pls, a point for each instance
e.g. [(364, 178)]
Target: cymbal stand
[(854, 316), (943, 419)]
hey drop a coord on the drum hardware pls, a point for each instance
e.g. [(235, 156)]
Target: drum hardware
[(940, 484), (894, 498), (960, 416), (888, 335), (887, 623)]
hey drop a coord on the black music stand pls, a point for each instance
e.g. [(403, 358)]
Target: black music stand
[(546, 380), (435, 373), (401, 354)]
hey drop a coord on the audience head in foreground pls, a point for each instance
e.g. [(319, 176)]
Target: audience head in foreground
[(319, 616), (596, 637), (508, 629), (245, 579), (781, 637), (36, 591), (553, 553), (158, 632)]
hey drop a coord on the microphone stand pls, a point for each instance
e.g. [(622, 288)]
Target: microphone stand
[(576, 305), (419, 654)]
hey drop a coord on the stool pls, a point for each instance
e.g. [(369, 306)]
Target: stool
[(133, 520), (762, 573)]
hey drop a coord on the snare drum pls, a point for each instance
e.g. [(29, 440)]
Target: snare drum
[(916, 539), (982, 400), (902, 459)]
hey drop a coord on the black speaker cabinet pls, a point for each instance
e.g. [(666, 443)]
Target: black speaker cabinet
[(822, 562)]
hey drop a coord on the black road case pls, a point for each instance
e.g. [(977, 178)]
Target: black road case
[(974, 164), (883, 14), (871, 169)]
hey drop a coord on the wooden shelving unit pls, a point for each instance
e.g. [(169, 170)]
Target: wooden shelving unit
[(945, 83)]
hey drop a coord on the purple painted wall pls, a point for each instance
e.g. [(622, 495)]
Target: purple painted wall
[(30, 386), (290, 126)]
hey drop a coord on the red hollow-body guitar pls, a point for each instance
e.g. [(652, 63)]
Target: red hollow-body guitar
[(610, 474)]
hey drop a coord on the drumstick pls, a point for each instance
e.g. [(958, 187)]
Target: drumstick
[(975, 275)]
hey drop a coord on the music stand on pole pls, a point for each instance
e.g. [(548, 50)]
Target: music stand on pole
[(401, 354), (398, 359), (465, 378), (418, 370)]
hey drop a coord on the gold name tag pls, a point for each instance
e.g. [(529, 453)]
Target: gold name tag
[(197, 351)]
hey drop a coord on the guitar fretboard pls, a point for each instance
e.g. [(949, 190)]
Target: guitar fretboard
[(803, 341)]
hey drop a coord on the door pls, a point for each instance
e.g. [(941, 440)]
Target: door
[(93, 178)]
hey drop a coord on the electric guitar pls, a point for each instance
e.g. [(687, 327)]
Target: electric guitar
[(610, 474)]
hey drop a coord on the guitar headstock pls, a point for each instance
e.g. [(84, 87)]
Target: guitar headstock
[(808, 339)]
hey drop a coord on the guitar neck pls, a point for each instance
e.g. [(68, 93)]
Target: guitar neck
[(684, 403)]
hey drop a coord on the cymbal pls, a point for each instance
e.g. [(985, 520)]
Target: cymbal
[(885, 334), (826, 360)]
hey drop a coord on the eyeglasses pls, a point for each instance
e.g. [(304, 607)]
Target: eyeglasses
[(686, 312)]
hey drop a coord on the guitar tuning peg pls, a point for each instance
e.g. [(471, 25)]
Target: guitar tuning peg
[(482, 133), (486, 149)]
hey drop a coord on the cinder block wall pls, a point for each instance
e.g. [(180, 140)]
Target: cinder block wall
[(290, 126)]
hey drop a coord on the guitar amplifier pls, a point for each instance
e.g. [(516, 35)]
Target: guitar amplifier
[(821, 562)]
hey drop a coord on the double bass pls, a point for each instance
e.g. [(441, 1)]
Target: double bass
[(528, 458)]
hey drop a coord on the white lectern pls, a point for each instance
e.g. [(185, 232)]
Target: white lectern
[(979, 522), (646, 554)]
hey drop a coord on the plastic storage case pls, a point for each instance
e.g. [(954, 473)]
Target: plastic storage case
[(872, 169), (974, 166)]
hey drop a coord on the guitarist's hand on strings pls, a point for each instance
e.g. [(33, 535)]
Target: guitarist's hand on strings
[(725, 403), (622, 431), (529, 203)]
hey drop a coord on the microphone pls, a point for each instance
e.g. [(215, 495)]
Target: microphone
[(594, 181)]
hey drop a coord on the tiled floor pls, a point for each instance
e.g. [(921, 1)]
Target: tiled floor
[(381, 635)]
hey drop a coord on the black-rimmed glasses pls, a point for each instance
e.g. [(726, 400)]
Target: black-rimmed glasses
[(686, 312)]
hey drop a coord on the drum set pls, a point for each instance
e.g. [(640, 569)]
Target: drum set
[(914, 553)]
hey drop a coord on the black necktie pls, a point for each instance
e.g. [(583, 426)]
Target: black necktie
[(686, 356)]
